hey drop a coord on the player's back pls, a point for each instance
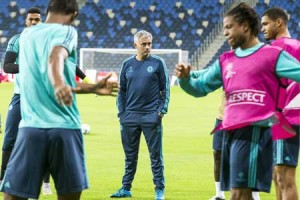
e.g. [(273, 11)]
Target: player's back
[(38, 103)]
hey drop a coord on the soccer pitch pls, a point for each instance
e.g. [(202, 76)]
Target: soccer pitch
[(187, 148)]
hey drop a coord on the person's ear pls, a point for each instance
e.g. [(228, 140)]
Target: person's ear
[(245, 27), (74, 15), (279, 22)]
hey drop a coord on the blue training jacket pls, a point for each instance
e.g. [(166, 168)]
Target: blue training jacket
[(144, 86)]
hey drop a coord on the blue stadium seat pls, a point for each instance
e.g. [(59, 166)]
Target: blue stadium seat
[(186, 18)]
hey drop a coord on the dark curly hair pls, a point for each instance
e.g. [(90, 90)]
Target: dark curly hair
[(244, 13)]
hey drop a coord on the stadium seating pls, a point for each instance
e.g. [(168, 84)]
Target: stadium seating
[(111, 23)]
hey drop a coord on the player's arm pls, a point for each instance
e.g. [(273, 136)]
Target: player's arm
[(164, 85), (9, 65), (108, 85), (63, 92), (288, 67), (207, 80)]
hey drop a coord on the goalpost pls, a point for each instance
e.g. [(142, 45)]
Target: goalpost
[(101, 60)]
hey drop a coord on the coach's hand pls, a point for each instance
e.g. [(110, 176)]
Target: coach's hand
[(182, 70)]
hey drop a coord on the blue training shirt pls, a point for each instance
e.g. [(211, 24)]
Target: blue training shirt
[(39, 107), (144, 86)]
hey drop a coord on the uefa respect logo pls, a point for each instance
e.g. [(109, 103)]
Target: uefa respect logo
[(247, 96)]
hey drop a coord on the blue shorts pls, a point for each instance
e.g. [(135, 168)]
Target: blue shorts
[(286, 152), (217, 137), (13, 119), (247, 159), (37, 150)]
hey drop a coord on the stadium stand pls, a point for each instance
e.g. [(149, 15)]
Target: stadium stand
[(111, 24), (175, 24)]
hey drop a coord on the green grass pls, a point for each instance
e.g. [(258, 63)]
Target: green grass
[(187, 148)]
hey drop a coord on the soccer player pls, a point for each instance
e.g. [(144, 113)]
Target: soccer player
[(249, 75), (33, 17), (50, 137), (275, 27), (142, 102)]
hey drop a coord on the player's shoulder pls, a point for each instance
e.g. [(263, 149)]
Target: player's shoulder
[(68, 28), (284, 43), (61, 28), (285, 40), (226, 54), (271, 48), (53, 28), (14, 39)]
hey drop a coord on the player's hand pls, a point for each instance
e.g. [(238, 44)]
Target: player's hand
[(107, 85), (182, 70), (63, 95)]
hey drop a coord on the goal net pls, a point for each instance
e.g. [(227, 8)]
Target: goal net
[(101, 60)]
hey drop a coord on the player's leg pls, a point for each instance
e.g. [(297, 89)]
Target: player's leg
[(285, 178), (10, 197), (152, 129), (286, 153), (11, 131), (247, 161), (46, 185), (277, 188), (240, 194), (66, 161), (26, 168), (130, 136), (217, 149)]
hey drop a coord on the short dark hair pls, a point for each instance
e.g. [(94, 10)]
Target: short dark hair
[(63, 6), (33, 10), (275, 13), (244, 13)]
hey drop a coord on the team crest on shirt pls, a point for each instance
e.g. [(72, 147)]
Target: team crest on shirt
[(150, 69), (130, 69), (229, 71)]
